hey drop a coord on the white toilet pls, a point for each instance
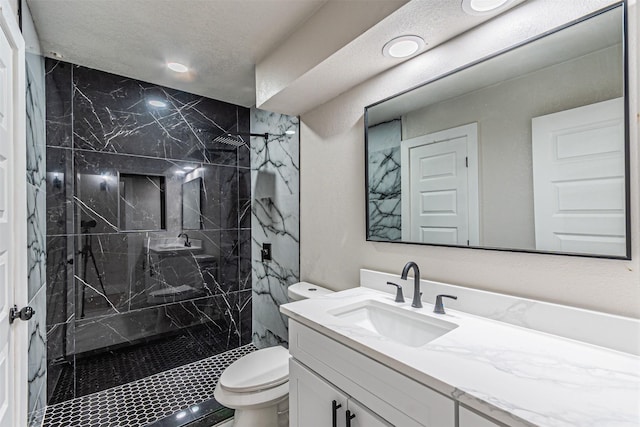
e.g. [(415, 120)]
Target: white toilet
[(257, 385)]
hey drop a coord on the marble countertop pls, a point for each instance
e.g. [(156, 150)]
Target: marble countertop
[(518, 376)]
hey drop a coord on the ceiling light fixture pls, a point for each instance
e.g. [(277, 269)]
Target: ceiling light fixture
[(157, 103), (402, 47), (483, 7), (177, 67)]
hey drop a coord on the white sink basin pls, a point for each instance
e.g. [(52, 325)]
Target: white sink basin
[(406, 327)]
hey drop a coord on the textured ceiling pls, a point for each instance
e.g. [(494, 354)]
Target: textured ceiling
[(436, 21), (223, 40), (220, 40)]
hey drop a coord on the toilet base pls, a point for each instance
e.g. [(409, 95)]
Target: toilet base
[(276, 415)]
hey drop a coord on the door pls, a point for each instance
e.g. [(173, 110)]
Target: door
[(13, 239), (312, 401), (578, 180), (440, 187)]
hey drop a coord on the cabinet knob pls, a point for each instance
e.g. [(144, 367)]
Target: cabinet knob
[(349, 417), (334, 409)]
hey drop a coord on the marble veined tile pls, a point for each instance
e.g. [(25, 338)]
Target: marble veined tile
[(59, 189), (113, 114), (36, 244), (37, 366), (385, 220), (384, 174), (275, 220), (58, 79), (35, 120)]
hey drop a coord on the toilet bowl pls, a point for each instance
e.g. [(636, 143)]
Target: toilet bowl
[(257, 385)]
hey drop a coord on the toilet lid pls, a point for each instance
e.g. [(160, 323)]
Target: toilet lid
[(260, 370)]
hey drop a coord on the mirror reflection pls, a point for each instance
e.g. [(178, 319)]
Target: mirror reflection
[(523, 151), (191, 204), (141, 202)]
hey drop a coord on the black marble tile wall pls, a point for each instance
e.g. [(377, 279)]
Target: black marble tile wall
[(117, 275)]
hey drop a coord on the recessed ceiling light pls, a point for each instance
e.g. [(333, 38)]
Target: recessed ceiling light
[(157, 103), (177, 67), (402, 47), (482, 7)]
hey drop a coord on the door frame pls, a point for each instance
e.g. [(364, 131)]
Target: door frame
[(17, 202), (470, 131)]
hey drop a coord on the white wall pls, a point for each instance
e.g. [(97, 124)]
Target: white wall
[(333, 246)]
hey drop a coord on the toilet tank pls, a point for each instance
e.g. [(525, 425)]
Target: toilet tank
[(305, 290)]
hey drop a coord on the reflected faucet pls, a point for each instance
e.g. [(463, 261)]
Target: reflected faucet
[(417, 303), (187, 243)]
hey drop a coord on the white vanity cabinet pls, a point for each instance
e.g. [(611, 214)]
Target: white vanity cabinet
[(314, 402), (324, 370), (467, 418)]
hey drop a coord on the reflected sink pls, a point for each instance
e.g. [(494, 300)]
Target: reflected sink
[(394, 323), (172, 245)]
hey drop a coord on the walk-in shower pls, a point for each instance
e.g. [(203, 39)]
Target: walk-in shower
[(127, 299)]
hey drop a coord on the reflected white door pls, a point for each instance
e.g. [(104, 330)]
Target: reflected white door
[(439, 187), (13, 378), (578, 179)]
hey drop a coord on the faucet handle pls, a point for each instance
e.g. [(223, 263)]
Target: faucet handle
[(399, 296), (439, 307)]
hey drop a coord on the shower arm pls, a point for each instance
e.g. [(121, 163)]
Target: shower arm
[(260, 135)]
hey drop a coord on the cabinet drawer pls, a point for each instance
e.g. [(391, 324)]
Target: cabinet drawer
[(395, 397)]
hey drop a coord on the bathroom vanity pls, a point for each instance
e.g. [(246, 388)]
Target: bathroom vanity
[(361, 359)]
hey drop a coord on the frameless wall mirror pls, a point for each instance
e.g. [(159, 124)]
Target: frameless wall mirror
[(526, 150), (191, 204), (142, 202)]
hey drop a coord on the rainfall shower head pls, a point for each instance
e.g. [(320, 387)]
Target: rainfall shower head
[(235, 139), (230, 139)]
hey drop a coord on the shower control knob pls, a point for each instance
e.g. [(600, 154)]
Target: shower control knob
[(25, 314)]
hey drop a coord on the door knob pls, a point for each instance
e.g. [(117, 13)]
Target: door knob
[(25, 314)]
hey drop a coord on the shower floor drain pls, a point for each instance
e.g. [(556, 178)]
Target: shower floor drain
[(145, 401)]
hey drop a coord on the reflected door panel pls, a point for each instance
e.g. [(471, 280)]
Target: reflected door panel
[(578, 171), (437, 182)]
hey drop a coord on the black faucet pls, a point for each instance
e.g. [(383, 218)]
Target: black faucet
[(416, 284), (187, 243)]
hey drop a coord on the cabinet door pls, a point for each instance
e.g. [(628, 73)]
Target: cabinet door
[(311, 400), (364, 417), (468, 418)]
